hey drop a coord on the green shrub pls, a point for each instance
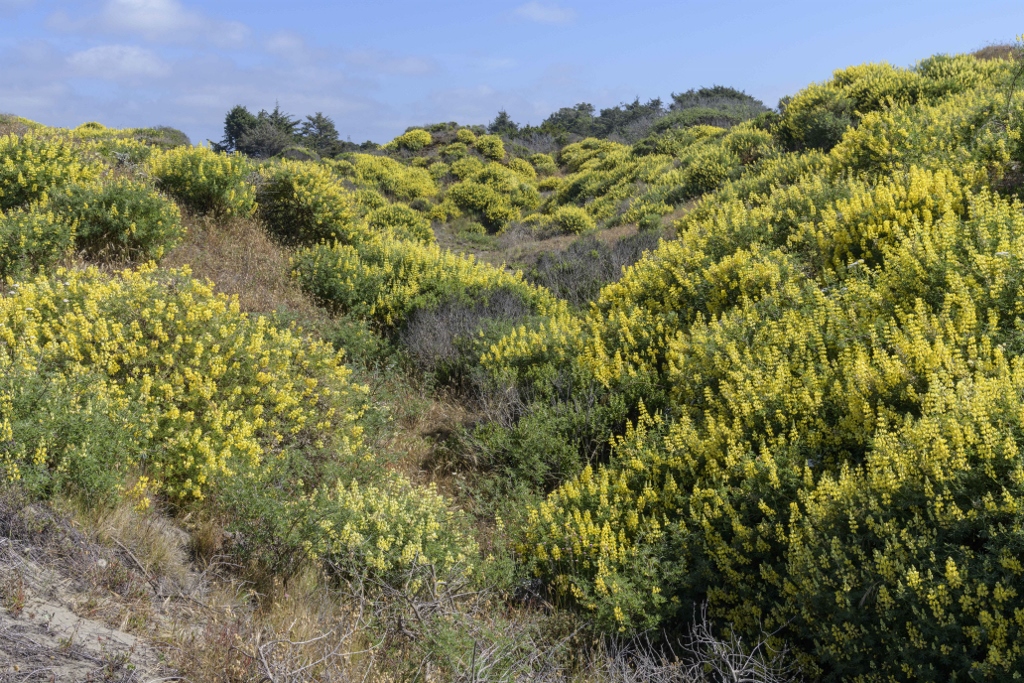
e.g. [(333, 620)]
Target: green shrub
[(438, 170), (544, 164), (523, 169), (466, 168), (121, 218), (31, 167), (412, 141), (401, 222), (572, 220), (492, 207), (393, 178), (455, 151), (491, 147), (32, 240), (466, 136), (204, 181), (303, 203)]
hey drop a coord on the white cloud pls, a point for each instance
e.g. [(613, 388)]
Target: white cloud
[(380, 62), (118, 62), (157, 21), (545, 13)]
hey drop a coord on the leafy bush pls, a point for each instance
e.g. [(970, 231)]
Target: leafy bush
[(198, 389), (466, 168), (491, 147), (31, 167), (466, 136), (386, 281), (523, 169), (413, 141), (572, 220), (33, 239), (204, 181), (302, 203), (544, 164), (121, 218), (401, 222), (394, 179), (455, 151)]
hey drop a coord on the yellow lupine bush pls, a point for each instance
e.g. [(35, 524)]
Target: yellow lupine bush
[(303, 202), (524, 169), (401, 222), (387, 530), (34, 165), (413, 141), (218, 391), (465, 136), (33, 239), (834, 359), (391, 177), (385, 280), (491, 147), (205, 181)]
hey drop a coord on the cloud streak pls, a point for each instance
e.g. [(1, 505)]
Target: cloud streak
[(156, 21), (545, 13), (118, 63)]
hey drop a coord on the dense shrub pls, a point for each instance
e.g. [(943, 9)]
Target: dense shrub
[(466, 136), (33, 239), (491, 147), (386, 281), (572, 220), (401, 222), (303, 203), (31, 167), (198, 388), (204, 181), (544, 164), (413, 141), (120, 218), (392, 178)]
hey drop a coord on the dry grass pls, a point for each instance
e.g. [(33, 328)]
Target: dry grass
[(1000, 51), (241, 259)]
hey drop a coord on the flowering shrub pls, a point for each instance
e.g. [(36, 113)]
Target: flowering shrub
[(204, 181), (393, 178), (466, 136), (302, 203), (413, 141), (33, 239), (31, 167), (386, 531), (386, 280), (491, 147), (572, 220), (122, 218), (401, 222), (523, 169), (216, 390), (544, 164)]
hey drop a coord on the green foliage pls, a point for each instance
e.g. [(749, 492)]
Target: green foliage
[(120, 218), (32, 240), (572, 220), (302, 203), (204, 181), (491, 147), (412, 141), (392, 178), (401, 222), (32, 166), (544, 164)]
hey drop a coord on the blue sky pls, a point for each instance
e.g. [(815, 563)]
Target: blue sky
[(379, 67)]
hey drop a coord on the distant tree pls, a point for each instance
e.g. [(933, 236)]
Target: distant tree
[(503, 125), (629, 121), (237, 123), (578, 120), (272, 133), (319, 134), (721, 98)]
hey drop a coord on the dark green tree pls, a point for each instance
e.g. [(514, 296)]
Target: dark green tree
[(237, 123), (319, 134), (503, 125)]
